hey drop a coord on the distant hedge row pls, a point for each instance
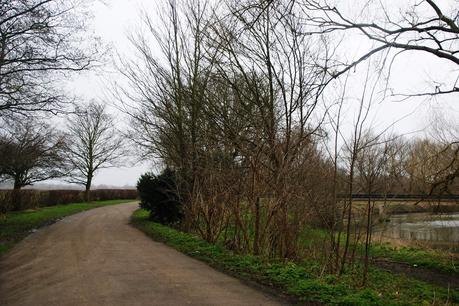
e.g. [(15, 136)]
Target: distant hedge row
[(30, 199)]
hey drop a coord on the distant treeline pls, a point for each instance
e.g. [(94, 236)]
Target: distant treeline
[(29, 199), (395, 196)]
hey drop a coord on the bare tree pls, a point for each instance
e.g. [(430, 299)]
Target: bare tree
[(93, 144), (445, 131), (39, 38), (371, 162), (276, 74), (353, 148), (232, 98), (432, 166), (395, 174), (421, 26), (166, 101), (30, 152)]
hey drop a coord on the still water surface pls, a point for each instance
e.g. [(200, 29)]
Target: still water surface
[(422, 226)]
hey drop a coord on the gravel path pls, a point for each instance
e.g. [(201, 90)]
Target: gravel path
[(97, 258)]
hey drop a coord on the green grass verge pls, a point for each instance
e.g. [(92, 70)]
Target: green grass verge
[(432, 259), (14, 226), (300, 280)]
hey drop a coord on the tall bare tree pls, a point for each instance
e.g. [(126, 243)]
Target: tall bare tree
[(93, 144), (220, 110), (38, 40), (276, 74), (427, 26), (371, 164), (168, 101)]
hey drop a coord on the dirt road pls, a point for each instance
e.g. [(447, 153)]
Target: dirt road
[(97, 258)]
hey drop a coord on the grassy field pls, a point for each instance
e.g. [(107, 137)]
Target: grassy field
[(303, 281), (14, 226)]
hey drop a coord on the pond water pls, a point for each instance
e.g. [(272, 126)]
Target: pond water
[(435, 228)]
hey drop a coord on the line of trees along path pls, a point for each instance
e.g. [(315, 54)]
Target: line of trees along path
[(247, 103)]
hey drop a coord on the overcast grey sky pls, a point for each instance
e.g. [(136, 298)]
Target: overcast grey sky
[(114, 19)]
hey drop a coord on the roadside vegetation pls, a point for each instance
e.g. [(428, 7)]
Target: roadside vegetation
[(305, 281), (14, 226), (272, 140), (268, 117), (436, 260), (395, 275)]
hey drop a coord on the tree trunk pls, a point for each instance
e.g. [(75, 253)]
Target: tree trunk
[(367, 239), (87, 192), (349, 216), (16, 196), (256, 240)]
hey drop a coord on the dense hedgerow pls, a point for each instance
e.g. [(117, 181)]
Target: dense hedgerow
[(30, 199)]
